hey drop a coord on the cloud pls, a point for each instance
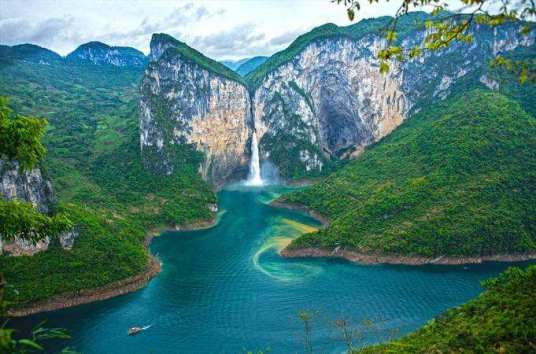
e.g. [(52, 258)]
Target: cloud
[(285, 38), (17, 30), (174, 24), (66, 33), (228, 42), (209, 28)]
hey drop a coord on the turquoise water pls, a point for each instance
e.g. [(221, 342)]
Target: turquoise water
[(226, 290)]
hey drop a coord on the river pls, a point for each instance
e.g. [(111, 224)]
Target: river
[(226, 290)]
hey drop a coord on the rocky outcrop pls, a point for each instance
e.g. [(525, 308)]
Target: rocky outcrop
[(98, 53), (185, 103), (29, 186)]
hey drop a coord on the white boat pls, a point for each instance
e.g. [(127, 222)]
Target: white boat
[(132, 331)]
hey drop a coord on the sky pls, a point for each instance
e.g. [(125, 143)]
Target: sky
[(221, 29)]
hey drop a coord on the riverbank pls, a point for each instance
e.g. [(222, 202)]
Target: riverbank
[(114, 289), (357, 257), (90, 295)]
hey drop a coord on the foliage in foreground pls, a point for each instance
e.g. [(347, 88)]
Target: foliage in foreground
[(457, 180), (501, 320)]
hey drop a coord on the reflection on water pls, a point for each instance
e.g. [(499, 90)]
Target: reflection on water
[(227, 290)]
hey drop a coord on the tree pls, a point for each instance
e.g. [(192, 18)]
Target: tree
[(20, 137), (447, 27)]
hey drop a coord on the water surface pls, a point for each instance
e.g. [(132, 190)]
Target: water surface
[(226, 290)]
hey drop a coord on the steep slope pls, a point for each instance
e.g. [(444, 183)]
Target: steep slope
[(323, 99), (187, 100), (95, 166), (456, 180), (500, 320), (249, 65)]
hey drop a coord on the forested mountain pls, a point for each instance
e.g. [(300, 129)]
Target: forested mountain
[(455, 180)]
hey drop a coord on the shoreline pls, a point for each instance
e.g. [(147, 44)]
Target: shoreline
[(114, 289), (367, 259), (356, 257)]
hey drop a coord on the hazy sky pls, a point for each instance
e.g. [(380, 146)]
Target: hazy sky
[(221, 29)]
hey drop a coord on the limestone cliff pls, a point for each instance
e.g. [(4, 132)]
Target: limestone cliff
[(188, 99), (30, 186), (329, 101)]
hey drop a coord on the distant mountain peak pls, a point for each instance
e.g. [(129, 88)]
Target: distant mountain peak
[(99, 53), (29, 52)]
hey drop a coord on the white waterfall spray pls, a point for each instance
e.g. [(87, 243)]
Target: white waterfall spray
[(254, 178)]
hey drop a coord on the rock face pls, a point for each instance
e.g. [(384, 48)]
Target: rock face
[(330, 101), (30, 186), (184, 103), (101, 54)]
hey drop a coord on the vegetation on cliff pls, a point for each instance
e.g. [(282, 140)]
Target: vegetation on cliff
[(501, 320), (192, 55), (456, 179), (94, 163)]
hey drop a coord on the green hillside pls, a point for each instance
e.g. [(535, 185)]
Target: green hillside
[(457, 179), (501, 320), (94, 162)]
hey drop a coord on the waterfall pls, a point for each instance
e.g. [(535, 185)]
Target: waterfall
[(254, 178)]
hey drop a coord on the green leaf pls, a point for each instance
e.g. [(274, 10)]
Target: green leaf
[(351, 14), (384, 67), (30, 343)]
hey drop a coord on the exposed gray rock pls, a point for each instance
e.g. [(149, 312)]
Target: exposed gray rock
[(32, 187), (29, 186), (330, 101), (67, 239)]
